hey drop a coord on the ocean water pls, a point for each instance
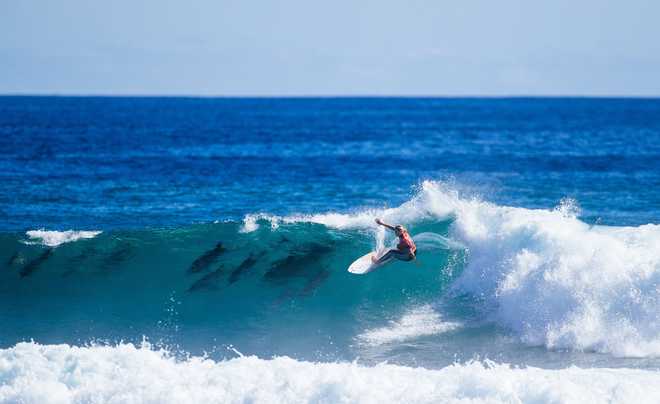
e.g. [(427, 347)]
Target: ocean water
[(195, 250)]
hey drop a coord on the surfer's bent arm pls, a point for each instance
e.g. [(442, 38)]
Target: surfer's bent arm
[(380, 222)]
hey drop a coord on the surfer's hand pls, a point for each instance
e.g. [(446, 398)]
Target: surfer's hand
[(378, 221)]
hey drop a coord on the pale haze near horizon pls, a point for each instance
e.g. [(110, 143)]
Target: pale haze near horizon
[(342, 47)]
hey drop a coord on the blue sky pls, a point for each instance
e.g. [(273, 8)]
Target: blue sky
[(207, 47)]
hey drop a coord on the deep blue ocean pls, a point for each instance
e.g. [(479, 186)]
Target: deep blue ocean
[(160, 162), (222, 228)]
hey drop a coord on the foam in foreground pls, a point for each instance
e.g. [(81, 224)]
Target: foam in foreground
[(33, 373)]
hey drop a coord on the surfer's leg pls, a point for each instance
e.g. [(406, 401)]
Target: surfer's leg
[(385, 257), (400, 255), (404, 256)]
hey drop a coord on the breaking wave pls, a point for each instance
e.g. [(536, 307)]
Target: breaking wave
[(544, 274)]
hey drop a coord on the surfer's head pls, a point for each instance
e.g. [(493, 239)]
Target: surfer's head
[(399, 230)]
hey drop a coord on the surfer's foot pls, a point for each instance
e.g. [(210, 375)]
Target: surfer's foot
[(374, 259)]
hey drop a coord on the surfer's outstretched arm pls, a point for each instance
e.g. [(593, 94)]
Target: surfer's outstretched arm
[(380, 222)]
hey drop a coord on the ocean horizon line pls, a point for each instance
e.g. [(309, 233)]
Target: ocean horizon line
[(334, 96)]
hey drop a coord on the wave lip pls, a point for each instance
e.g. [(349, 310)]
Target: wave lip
[(418, 322), (53, 238), (33, 373)]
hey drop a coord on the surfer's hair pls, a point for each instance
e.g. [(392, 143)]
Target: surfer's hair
[(400, 228)]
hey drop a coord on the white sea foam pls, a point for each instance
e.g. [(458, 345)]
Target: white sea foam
[(418, 322), (251, 222), (52, 238), (32, 373), (555, 280)]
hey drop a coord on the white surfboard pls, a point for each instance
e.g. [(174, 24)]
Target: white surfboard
[(364, 265)]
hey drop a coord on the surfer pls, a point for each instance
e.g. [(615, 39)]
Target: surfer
[(405, 250)]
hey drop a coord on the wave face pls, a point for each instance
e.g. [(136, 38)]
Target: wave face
[(32, 373), (268, 286), (278, 285)]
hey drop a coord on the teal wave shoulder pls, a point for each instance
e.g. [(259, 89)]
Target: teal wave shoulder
[(123, 284)]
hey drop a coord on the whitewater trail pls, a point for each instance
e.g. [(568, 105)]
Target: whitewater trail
[(418, 322)]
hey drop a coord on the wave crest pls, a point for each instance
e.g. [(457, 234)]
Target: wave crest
[(52, 238)]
